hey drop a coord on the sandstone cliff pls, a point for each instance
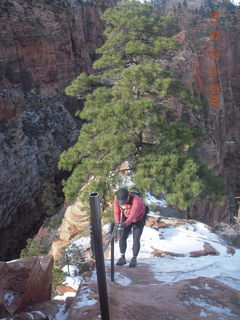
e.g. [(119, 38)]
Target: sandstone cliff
[(220, 151), (43, 46)]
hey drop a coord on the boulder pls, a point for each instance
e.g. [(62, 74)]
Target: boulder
[(23, 281), (75, 220)]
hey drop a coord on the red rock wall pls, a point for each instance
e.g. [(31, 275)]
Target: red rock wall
[(45, 44), (221, 150)]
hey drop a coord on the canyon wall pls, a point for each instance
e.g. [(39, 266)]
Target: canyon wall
[(221, 149), (43, 46)]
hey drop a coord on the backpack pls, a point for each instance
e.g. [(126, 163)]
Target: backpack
[(135, 191)]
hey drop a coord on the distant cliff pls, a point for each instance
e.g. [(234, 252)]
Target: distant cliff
[(43, 46), (221, 149)]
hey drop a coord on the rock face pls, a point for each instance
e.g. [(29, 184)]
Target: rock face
[(24, 281), (75, 220), (34, 131), (44, 45), (220, 151)]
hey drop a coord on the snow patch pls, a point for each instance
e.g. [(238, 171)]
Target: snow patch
[(120, 279), (151, 200), (184, 239), (71, 270), (194, 287), (82, 243), (230, 281), (207, 287), (127, 181), (40, 313), (209, 307), (93, 276), (106, 228), (8, 299), (73, 282), (84, 297), (61, 314), (65, 296)]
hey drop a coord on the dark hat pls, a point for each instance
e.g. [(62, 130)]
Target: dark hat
[(122, 195)]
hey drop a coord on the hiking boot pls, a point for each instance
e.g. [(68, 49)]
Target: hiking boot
[(121, 261), (133, 262)]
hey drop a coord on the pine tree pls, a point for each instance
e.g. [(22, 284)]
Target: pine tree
[(128, 112)]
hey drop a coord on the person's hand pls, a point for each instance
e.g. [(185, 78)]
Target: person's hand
[(121, 226)]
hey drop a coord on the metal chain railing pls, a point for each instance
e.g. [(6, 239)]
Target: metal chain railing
[(111, 239), (114, 229)]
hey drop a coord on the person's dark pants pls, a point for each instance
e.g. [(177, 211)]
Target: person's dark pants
[(137, 232)]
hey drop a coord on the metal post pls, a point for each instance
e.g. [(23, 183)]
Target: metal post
[(91, 240), (98, 249), (68, 263), (112, 251)]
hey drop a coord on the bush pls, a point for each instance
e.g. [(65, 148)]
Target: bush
[(50, 199), (32, 249), (236, 242), (58, 276)]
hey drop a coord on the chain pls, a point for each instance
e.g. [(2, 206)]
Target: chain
[(110, 237)]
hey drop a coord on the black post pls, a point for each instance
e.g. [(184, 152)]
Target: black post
[(68, 264), (98, 249), (112, 251)]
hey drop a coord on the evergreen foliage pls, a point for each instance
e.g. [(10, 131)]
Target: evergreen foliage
[(50, 199), (58, 277), (128, 113), (32, 249)]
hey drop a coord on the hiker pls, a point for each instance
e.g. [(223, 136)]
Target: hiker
[(129, 213)]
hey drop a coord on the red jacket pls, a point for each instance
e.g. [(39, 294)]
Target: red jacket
[(135, 210)]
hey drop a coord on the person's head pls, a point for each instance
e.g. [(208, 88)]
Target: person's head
[(123, 196)]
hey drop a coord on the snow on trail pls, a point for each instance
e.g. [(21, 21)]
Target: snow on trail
[(184, 239), (181, 239)]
